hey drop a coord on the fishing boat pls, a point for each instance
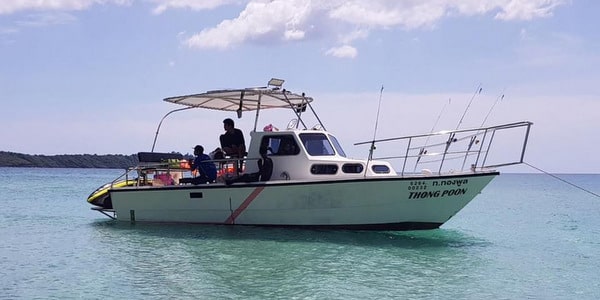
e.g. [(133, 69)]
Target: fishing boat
[(404, 183)]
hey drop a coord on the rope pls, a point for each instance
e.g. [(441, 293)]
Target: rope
[(565, 181)]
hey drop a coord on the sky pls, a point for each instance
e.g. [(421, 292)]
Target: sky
[(89, 76)]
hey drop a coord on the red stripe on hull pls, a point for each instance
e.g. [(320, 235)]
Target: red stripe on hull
[(244, 205)]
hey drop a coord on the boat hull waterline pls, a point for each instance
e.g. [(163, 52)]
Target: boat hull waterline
[(400, 203)]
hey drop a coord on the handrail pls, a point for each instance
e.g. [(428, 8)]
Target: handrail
[(161, 121), (504, 126), (143, 169), (455, 148)]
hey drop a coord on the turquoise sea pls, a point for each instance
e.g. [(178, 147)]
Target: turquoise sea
[(527, 236)]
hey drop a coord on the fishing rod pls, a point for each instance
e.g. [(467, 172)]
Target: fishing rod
[(477, 92), (498, 99), (474, 140), (451, 137), (422, 151), (438, 118), (376, 124)]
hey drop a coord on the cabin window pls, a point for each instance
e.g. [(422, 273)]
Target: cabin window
[(337, 146), (380, 169), (352, 168), (316, 144), (281, 144), (320, 169)]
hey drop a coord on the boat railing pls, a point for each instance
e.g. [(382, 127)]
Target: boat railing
[(455, 150), (151, 173), (171, 172)]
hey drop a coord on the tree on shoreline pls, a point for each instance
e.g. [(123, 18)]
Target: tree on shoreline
[(107, 161)]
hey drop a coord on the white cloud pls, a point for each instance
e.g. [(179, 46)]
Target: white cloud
[(347, 38), (345, 51), (8, 7), (528, 9), (293, 34), (387, 14), (163, 5), (12, 6), (285, 20), (282, 19), (277, 21)]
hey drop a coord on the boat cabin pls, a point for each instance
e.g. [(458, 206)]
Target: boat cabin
[(299, 152), (310, 154)]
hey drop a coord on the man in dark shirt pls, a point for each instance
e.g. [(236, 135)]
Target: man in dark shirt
[(207, 171), (232, 142)]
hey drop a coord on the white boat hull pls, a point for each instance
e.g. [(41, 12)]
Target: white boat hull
[(392, 203), (310, 181)]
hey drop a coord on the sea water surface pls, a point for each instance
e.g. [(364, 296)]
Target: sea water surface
[(527, 236)]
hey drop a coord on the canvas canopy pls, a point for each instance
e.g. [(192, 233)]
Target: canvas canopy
[(244, 99)]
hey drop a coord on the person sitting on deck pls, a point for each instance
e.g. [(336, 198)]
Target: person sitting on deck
[(265, 169), (207, 171), (232, 141)]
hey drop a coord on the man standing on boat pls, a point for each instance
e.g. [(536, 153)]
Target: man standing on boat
[(232, 141), (206, 169)]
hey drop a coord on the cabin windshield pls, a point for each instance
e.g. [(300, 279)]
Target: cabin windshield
[(316, 144), (337, 146), (281, 144)]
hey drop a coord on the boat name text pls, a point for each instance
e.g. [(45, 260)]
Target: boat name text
[(420, 185), (436, 194), (456, 182)]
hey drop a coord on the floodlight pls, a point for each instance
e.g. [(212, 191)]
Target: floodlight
[(276, 82)]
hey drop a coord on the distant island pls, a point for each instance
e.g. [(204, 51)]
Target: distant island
[(107, 161)]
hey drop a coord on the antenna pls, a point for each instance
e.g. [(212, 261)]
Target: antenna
[(376, 124), (477, 92)]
